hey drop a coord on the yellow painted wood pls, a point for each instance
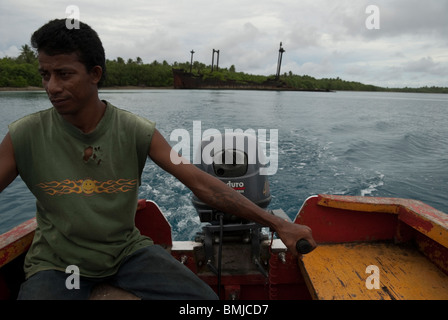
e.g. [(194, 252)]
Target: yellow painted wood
[(338, 272), (362, 204)]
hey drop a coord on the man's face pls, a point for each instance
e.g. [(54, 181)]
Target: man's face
[(68, 84)]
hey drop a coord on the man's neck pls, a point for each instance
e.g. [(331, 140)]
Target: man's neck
[(88, 119)]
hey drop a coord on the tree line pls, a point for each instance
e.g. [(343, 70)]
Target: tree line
[(22, 71)]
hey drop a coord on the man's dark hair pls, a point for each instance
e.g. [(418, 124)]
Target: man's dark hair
[(55, 38)]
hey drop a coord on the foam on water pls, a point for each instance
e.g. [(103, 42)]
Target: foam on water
[(348, 143)]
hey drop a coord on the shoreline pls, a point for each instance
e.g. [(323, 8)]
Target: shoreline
[(105, 88), (21, 89), (37, 89)]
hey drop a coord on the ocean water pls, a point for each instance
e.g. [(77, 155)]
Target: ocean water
[(347, 143)]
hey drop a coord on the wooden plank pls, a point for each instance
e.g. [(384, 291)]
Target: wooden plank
[(16, 241), (338, 272), (104, 291), (151, 222), (340, 225)]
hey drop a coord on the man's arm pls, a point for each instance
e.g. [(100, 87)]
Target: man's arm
[(8, 168), (220, 196)]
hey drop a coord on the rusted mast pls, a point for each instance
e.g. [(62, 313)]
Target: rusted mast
[(217, 60), (191, 63), (213, 59), (279, 63)]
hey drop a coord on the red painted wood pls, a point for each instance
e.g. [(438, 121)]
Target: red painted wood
[(339, 225), (151, 222)]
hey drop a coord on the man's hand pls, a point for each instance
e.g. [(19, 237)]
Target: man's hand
[(291, 233)]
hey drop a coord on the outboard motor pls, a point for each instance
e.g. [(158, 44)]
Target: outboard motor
[(235, 159), (237, 164)]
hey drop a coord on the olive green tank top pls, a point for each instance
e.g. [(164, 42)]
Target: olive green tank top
[(86, 187)]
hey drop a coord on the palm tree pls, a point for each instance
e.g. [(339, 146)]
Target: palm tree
[(27, 54)]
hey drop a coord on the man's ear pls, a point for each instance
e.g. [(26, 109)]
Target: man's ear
[(96, 73)]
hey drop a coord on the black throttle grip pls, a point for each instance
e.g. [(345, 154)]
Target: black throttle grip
[(303, 246)]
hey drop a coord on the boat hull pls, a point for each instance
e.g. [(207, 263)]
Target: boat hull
[(398, 236)]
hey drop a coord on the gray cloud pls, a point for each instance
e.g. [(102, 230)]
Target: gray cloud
[(425, 65), (322, 38)]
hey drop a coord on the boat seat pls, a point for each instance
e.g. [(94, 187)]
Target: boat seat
[(338, 272), (104, 291)]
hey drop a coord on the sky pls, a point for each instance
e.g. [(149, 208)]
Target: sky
[(396, 43)]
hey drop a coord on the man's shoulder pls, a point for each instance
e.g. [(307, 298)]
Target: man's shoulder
[(128, 116), (32, 119)]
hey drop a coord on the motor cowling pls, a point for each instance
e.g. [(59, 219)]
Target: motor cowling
[(235, 159)]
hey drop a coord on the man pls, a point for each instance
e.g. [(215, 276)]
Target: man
[(82, 160)]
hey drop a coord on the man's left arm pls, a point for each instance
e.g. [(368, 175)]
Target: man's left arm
[(222, 197)]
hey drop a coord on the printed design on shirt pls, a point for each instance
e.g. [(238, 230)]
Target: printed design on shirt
[(87, 186)]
